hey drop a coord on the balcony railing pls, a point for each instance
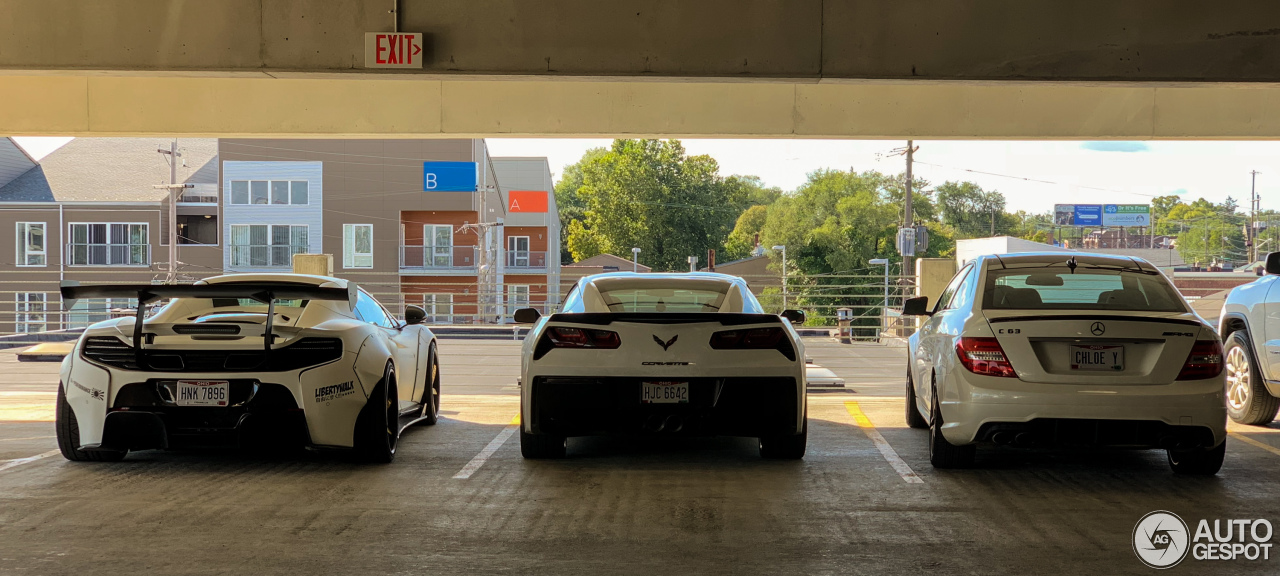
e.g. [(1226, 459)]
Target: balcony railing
[(190, 198), (415, 258), (79, 254), (525, 260)]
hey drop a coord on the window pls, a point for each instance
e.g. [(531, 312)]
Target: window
[(29, 317), (950, 290), (518, 251), (371, 311), (1088, 287), (91, 310), (517, 297), (439, 307), (31, 244), (438, 240), (357, 245), (108, 245), (964, 292), (262, 245), (278, 192)]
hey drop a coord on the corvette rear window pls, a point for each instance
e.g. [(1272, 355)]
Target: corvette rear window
[(662, 300), (1057, 288)]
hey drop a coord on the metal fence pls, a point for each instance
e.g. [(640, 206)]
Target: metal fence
[(864, 306)]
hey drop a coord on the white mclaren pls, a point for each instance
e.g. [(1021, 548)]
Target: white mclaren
[(1066, 349), (252, 360), (662, 354)]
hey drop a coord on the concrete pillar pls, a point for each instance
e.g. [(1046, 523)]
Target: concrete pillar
[(315, 264), (932, 276)]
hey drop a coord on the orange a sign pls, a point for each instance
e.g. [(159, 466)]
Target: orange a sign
[(527, 201)]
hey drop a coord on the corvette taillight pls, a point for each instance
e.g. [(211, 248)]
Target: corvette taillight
[(564, 337), (1204, 361), (754, 338), (772, 338), (984, 356)]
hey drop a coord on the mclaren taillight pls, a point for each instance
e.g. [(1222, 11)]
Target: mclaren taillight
[(564, 337), (984, 356), (1204, 361), (772, 338)]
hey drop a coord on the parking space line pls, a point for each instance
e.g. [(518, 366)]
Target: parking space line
[(890, 455), (20, 461), (488, 451), (1262, 445), (24, 438)]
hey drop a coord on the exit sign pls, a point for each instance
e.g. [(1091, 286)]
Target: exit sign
[(392, 50)]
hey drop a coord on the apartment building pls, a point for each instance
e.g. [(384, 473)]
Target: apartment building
[(420, 222), (91, 211), (531, 234)]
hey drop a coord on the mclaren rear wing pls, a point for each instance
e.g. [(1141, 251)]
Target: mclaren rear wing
[(265, 292)]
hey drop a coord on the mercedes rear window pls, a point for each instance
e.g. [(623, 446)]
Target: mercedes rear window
[(1086, 288)]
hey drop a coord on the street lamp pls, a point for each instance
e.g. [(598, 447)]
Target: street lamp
[(635, 259), (783, 248), (884, 309)]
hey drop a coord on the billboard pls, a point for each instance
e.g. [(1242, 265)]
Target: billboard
[(1126, 215), (1102, 215), (449, 176), (1077, 214)]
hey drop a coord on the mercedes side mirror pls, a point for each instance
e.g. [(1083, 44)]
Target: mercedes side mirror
[(527, 316), (1273, 263), (796, 317), (414, 314), (918, 306)]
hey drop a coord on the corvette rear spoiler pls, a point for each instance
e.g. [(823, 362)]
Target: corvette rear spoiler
[(265, 292), (724, 318)]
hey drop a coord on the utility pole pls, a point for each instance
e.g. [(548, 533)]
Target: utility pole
[(173, 187), (1253, 217), (908, 214)]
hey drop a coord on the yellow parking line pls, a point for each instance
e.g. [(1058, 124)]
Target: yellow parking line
[(890, 455), (1262, 445)]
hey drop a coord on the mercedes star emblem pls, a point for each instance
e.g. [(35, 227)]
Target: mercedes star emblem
[(1097, 328)]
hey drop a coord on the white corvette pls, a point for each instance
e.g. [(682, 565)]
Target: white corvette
[(662, 354), (254, 360), (1051, 348)]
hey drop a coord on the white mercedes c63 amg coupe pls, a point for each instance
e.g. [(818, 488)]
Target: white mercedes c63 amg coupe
[(254, 360), (690, 354), (1066, 349)]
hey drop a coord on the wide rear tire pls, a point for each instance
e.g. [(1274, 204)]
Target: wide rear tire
[(542, 446), (68, 433), (1198, 462), (431, 396), (788, 447), (1248, 401), (377, 432), (914, 418), (943, 454)]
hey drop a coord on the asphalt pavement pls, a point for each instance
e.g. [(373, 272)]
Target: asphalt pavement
[(460, 500)]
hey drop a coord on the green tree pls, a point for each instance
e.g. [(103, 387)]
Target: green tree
[(1207, 232), (569, 203), (649, 194), (742, 240), (970, 210), (755, 193)]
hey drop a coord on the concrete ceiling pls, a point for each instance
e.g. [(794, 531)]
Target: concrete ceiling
[(1127, 69)]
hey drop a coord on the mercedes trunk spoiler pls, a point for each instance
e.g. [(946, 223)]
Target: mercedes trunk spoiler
[(265, 292)]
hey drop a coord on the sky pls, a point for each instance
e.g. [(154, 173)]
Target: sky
[(1033, 176)]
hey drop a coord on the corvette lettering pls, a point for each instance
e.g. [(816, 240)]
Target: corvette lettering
[(666, 364), (327, 393)]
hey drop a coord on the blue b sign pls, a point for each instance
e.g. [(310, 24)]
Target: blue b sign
[(449, 176)]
